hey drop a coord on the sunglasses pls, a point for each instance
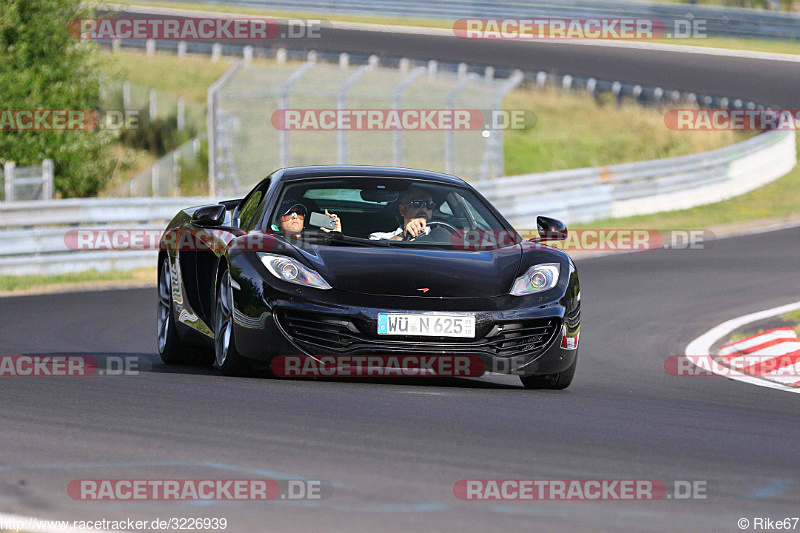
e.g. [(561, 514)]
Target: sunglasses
[(416, 204), (289, 216)]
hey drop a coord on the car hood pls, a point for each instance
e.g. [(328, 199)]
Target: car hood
[(416, 272)]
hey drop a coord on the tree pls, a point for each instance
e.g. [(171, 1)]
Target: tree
[(43, 67)]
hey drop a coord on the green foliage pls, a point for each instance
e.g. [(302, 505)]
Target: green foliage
[(40, 283), (43, 67), (194, 174), (157, 136)]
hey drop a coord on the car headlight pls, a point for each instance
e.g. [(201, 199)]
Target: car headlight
[(287, 269), (538, 278)]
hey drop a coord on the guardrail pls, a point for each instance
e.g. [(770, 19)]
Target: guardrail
[(26, 183), (585, 194), (33, 234), (37, 244), (720, 21)]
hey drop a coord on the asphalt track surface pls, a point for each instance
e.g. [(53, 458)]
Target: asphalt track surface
[(768, 82), (393, 449)]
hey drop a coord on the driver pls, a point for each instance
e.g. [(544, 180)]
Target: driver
[(292, 215), (416, 208)]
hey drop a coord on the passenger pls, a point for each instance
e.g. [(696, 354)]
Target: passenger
[(292, 215)]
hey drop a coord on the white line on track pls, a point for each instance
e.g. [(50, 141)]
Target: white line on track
[(699, 350)]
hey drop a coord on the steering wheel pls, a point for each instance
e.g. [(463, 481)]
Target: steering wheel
[(432, 224), (445, 224)]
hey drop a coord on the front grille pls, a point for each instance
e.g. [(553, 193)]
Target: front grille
[(323, 334)]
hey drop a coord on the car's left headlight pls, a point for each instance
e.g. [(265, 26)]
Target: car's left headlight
[(287, 269), (538, 278)]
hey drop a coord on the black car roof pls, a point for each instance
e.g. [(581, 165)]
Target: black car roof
[(295, 173)]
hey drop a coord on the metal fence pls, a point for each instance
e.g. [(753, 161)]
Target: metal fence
[(32, 234), (728, 22), (26, 183), (151, 104), (162, 178), (246, 143)]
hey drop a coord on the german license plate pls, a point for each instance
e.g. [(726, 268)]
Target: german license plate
[(426, 325)]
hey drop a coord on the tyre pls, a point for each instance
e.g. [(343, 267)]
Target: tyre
[(228, 360), (172, 349), (558, 381)]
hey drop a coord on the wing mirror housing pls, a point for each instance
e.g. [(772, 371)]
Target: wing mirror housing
[(209, 216), (550, 229)]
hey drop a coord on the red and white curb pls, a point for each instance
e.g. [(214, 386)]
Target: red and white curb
[(770, 359)]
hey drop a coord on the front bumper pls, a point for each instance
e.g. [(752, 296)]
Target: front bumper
[(522, 341)]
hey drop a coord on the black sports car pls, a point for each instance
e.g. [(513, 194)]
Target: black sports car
[(352, 260)]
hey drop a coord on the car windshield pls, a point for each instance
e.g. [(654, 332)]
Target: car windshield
[(386, 211)]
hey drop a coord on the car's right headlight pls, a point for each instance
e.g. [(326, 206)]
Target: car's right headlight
[(538, 278), (287, 269)]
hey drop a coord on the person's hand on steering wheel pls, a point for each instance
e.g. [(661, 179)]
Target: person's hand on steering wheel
[(415, 227)]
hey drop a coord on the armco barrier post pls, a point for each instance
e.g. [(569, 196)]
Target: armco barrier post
[(181, 113), (8, 173), (433, 69), (126, 95), (153, 108), (47, 179)]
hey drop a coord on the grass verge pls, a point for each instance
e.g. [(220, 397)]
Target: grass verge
[(755, 45), (793, 316), (565, 135), (76, 280), (574, 130), (189, 77), (776, 202)]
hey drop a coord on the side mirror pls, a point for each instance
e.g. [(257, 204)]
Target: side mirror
[(550, 229), (209, 216)]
